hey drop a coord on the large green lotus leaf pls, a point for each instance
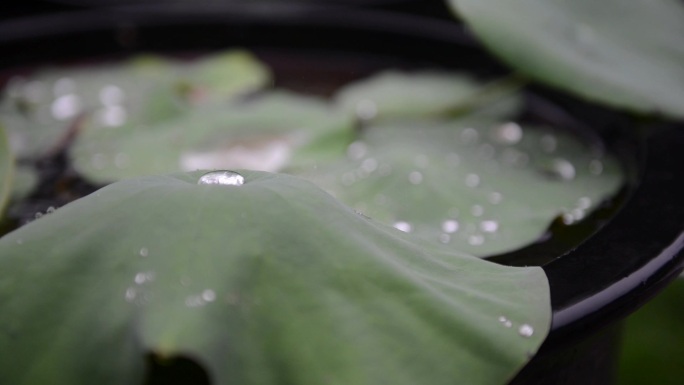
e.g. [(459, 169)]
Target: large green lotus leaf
[(482, 187), (40, 109), (271, 282), (6, 171), (626, 53), (262, 134), (395, 94)]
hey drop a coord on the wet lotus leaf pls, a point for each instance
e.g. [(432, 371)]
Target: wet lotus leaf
[(40, 109), (272, 282), (626, 53), (482, 187), (263, 134), (6, 171), (395, 94)]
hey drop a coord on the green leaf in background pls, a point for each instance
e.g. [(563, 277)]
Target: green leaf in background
[(400, 95), (483, 187), (270, 282), (262, 134), (625, 53), (39, 110), (6, 171), (652, 348)]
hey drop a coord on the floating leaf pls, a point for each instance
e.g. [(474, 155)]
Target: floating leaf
[(483, 187), (271, 282), (40, 110), (626, 53), (262, 134), (6, 171), (394, 94)]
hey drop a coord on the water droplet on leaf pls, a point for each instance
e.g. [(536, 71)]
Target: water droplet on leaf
[(403, 226), (526, 330), (224, 178)]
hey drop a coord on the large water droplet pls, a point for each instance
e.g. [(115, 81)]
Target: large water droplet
[(526, 330), (144, 252), (224, 178)]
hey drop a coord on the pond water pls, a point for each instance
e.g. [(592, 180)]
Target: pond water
[(455, 160)]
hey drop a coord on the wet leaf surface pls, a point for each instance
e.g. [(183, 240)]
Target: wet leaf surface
[(625, 53), (482, 187), (270, 282)]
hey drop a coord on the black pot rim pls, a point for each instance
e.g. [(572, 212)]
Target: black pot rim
[(599, 282)]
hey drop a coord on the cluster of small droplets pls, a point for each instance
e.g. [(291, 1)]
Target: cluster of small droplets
[(524, 330), (201, 299), (49, 210)]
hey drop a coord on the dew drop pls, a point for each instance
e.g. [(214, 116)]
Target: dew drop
[(489, 226), (560, 169), (38, 215), (495, 198), (130, 294), (50, 210), (513, 157), (112, 116), (357, 150), (403, 226), (142, 278), (369, 165), (208, 295), (596, 167), (444, 238), (584, 203), (415, 177), (224, 178), (366, 109), (111, 95), (144, 252), (63, 86), (476, 240), (548, 143), (507, 133), (66, 106), (477, 210), (526, 330), (505, 322), (469, 135), (450, 226), (472, 180)]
